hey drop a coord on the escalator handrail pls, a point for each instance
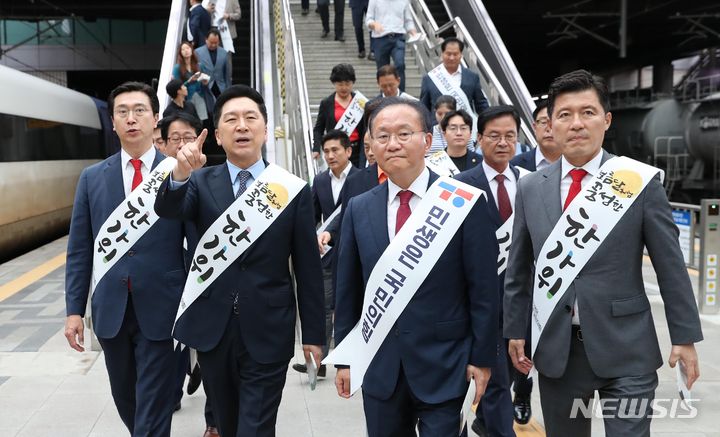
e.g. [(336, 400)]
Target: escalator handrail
[(262, 58)]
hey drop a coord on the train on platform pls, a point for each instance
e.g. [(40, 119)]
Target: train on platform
[(48, 134)]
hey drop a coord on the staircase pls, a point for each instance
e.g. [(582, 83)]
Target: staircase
[(241, 64), (321, 55)]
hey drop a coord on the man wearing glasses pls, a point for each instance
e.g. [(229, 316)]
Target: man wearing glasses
[(457, 129), (497, 135), (178, 130), (547, 151), (134, 301)]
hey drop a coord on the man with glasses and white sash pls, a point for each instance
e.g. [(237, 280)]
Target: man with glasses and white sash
[(239, 302), (584, 221), (130, 263), (416, 311)]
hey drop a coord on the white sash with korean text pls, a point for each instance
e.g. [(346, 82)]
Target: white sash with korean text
[(441, 79), (401, 269), (441, 163), (128, 222), (504, 232), (242, 223), (353, 114), (582, 228)]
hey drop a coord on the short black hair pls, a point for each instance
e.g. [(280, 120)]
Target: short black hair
[(387, 70), (539, 106), (445, 100), (234, 92), (419, 108), (342, 73), (336, 134), (213, 31), (493, 112), (467, 118), (452, 40), (173, 87), (192, 121), (128, 87), (576, 81)]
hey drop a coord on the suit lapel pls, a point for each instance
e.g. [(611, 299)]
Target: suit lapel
[(221, 186), (482, 182), (551, 192), (159, 157), (378, 216), (114, 181)]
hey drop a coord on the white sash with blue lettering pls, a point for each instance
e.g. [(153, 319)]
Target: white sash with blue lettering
[(402, 269), (128, 222), (441, 163), (242, 223), (441, 79), (582, 228)]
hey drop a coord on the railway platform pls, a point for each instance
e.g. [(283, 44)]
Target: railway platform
[(49, 390)]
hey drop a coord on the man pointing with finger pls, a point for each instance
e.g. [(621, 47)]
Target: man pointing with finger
[(242, 323)]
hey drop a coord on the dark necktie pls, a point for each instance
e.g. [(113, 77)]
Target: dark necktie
[(503, 199), (403, 211), (137, 176), (577, 175), (242, 177)]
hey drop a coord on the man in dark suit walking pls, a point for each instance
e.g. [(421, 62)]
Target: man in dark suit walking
[(326, 190), (600, 334), (547, 151), (134, 301), (498, 127), (445, 336), (242, 324), (466, 80), (199, 23)]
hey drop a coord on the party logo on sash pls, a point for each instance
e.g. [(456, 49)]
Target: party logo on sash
[(460, 195)]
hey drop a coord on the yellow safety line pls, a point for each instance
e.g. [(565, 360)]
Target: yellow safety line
[(33, 275)]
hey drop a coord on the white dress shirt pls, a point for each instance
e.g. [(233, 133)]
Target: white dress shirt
[(128, 171), (418, 188), (455, 78), (540, 160), (591, 167), (336, 183), (510, 183)]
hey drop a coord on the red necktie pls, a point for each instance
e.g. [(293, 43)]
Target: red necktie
[(503, 199), (577, 175), (404, 211), (137, 177)]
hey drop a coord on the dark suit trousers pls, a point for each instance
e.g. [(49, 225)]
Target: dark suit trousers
[(359, 25), (324, 9), (329, 307), (496, 409), (631, 398), (182, 361), (140, 383), (245, 395), (402, 412)]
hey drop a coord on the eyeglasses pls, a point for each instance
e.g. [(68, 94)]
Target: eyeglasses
[(159, 141), (137, 111), (401, 137), (542, 122), (495, 139), (455, 128), (177, 139)]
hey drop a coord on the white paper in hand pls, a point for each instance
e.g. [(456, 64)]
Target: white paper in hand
[(311, 372), (683, 389), (415, 38), (466, 411)]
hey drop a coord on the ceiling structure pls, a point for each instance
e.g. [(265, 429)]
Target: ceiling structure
[(544, 37)]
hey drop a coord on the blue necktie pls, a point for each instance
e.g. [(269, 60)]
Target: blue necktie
[(243, 177)]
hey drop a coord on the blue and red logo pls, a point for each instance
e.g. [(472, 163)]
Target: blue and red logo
[(460, 195)]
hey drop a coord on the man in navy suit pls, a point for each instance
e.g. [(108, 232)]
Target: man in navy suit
[(497, 135), (243, 324), (199, 23), (467, 80), (547, 151), (457, 127), (326, 190), (447, 333), (134, 302)]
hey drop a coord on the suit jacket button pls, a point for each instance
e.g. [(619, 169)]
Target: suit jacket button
[(124, 280), (131, 252), (397, 332), (568, 308)]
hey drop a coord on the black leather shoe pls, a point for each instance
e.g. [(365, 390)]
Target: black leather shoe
[(178, 406), (324, 34), (340, 38), (371, 56), (522, 410), (194, 380), (361, 54), (478, 426), (302, 368), (305, 11)]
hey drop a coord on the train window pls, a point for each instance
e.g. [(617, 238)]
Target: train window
[(27, 139)]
